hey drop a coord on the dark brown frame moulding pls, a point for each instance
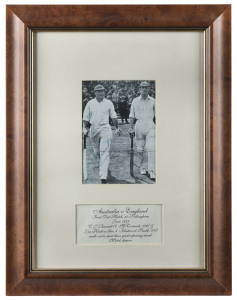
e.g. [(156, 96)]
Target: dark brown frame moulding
[(215, 20)]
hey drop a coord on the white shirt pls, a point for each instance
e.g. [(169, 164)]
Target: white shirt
[(98, 113), (143, 110)]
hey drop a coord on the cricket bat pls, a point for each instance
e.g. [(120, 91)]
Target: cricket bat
[(131, 156), (84, 158)]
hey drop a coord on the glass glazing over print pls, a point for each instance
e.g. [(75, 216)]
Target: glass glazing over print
[(60, 69), (118, 132)]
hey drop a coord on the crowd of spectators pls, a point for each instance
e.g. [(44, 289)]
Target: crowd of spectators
[(121, 93)]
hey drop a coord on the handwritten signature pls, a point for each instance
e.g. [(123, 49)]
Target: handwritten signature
[(98, 156)]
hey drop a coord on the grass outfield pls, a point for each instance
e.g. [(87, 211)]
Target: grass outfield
[(119, 167)]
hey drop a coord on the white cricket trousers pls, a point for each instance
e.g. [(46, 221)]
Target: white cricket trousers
[(101, 140), (145, 143)]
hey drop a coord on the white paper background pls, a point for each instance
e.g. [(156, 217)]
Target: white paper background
[(3, 116), (174, 60)]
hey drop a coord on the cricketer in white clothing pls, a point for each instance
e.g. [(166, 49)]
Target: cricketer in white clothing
[(143, 110), (97, 113)]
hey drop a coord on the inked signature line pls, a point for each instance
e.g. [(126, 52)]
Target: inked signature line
[(96, 157)]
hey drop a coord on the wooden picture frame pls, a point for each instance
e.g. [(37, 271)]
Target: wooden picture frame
[(216, 21)]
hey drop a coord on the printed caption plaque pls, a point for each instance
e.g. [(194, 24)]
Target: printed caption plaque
[(119, 224)]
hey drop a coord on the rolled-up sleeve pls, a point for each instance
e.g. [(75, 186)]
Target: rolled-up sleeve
[(132, 111), (112, 112), (86, 114)]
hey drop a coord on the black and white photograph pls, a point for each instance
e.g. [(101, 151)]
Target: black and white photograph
[(119, 131)]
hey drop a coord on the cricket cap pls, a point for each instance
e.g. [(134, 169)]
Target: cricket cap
[(98, 87), (144, 83)]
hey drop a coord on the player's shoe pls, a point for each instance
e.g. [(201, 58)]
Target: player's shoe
[(103, 181), (143, 171), (152, 175)]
